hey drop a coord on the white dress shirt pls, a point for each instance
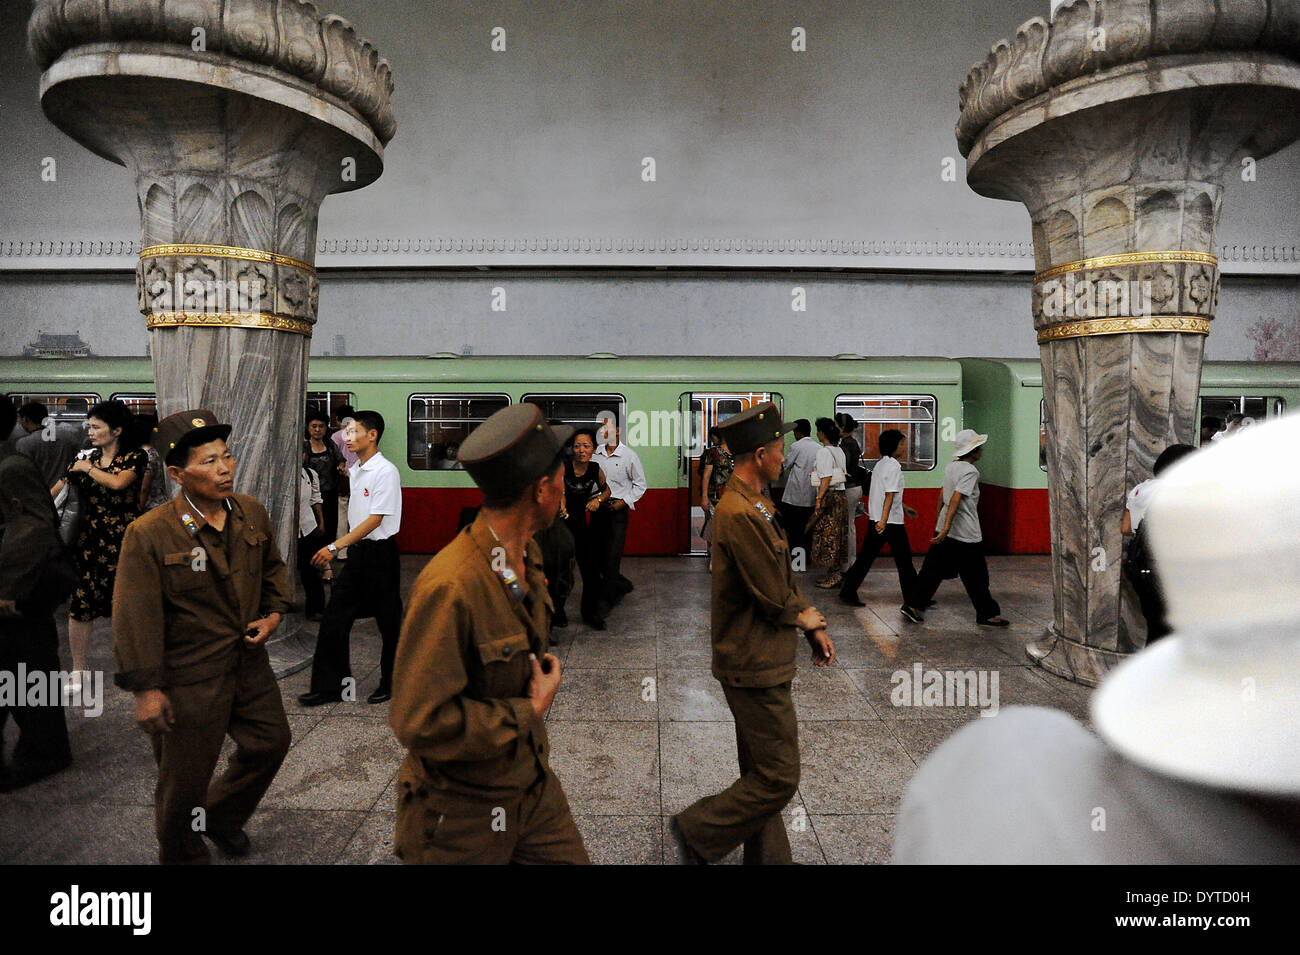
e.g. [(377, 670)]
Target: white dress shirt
[(798, 465), (376, 489), (623, 473)]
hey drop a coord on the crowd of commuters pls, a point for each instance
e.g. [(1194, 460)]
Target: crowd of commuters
[(86, 516)]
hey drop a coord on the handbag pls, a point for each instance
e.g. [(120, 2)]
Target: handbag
[(69, 507)]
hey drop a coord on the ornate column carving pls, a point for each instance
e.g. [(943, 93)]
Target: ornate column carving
[(1115, 125), (237, 118)]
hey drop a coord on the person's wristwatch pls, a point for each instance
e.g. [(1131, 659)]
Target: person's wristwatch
[(331, 548)]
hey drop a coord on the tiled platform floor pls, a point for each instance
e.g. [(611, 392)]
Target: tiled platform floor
[(628, 758)]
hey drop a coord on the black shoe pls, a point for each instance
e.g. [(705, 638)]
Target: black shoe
[(623, 585), (382, 695), (234, 845), (685, 851), (994, 622), (559, 620), (911, 614), (17, 778), (318, 698), (851, 599)]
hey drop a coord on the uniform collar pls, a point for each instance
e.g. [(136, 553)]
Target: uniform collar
[(744, 490), (186, 515)]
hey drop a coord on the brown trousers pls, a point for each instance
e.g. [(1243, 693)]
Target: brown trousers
[(748, 812), (439, 828), (245, 703)]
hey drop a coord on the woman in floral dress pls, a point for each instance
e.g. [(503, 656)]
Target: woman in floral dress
[(108, 479)]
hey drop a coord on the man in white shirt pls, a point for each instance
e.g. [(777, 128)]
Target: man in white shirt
[(626, 479), (885, 509), (339, 438), (371, 578), (798, 497)]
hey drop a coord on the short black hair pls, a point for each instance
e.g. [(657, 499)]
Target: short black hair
[(345, 411), (803, 427), (828, 427), (1170, 455), (116, 414), (846, 422), (889, 441), (498, 503), (1210, 421), (370, 421), (33, 411), (589, 433)]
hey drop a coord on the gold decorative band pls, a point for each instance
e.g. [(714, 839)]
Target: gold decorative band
[(1187, 324), (224, 252), (279, 323), (1127, 258)]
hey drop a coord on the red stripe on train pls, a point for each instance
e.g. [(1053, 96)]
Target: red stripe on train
[(1015, 521)]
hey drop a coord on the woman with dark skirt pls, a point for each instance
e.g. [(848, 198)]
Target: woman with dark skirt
[(324, 458), (584, 491)]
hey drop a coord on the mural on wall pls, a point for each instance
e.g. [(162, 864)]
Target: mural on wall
[(57, 346), (1276, 339)]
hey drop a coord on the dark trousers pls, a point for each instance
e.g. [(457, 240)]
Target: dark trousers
[(42, 730), (612, 533), (558, 549), (795, 519), (245, 704), (369, 586), (1147, 585), (311, 582), (589, 549), (956, 559), (329, 512), (896, 537), (748, 812)]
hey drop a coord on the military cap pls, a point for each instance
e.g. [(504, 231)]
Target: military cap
[(186, 429), (511, 449), (753, 428)]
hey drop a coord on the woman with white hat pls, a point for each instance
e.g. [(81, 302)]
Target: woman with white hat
[(957, 549)]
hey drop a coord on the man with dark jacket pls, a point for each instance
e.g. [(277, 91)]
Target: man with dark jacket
[(756, 608), (200, 588), (28, 639)]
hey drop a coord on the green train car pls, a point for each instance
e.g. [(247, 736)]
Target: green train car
[(664, 407), (1004, 398)]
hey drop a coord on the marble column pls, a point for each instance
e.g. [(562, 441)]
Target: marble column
[(1116, 125), (236, 118)]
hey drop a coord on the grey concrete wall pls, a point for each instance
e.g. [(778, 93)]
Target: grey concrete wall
[(533, 156), (631, 313)]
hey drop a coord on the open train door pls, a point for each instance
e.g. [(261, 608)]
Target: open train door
[(700, 411)]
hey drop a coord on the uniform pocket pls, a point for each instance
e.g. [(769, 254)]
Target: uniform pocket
[(184, 571), (503, 649)]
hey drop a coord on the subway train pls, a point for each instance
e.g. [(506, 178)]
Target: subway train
[(664, 407)]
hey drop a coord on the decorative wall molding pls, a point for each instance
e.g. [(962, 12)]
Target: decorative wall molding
[(979, 255)]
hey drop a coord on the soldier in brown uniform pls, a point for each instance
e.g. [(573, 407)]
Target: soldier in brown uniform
[(474, 679), (200, 588), (756, 608)]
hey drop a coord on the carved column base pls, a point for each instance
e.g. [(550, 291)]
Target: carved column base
[(1068, 658)]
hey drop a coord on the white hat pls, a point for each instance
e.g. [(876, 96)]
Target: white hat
[(967, 441), (1218, 702)]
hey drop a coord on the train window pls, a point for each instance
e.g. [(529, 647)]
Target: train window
[(1252, 409), (581, 411), (437, 424), (138, 404), (1042, 433), (61, 407), (327, 402), (913, 415)]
